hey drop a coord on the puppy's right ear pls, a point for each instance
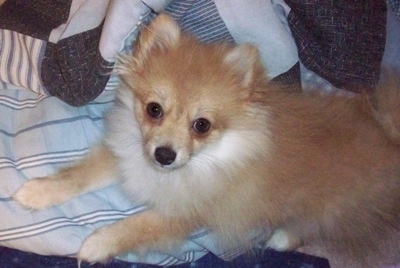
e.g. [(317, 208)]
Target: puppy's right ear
[(244, 61), (162, 33)]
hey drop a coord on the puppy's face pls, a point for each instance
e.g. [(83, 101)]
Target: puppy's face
[(175, 126), (187, 94)]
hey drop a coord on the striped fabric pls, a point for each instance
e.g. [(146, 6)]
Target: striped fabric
[(60, 222), (200, 18), (19, 60)]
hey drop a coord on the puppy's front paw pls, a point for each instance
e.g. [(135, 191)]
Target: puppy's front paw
[(39, 193), (98, 247), (139, 233)]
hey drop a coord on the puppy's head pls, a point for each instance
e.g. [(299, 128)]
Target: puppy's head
[(188, 94)]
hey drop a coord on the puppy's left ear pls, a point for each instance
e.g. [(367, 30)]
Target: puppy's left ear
[(244, 61), (162, 34)]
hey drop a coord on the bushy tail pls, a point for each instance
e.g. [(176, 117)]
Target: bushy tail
[(385, 102)]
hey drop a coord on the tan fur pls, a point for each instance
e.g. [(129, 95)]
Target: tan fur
[(313, 170), (41, 193), (386, 105)]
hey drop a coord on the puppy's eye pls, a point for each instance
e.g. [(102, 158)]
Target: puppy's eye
[(154, 110), (201, 125)]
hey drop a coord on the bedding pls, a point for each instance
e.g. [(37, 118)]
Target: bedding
[(56, 83)]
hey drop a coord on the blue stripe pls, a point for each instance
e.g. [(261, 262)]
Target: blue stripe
[(10, 57), (199, 234), (201, 18), (188, 256), (60, 222), (29, 73), (17, 104), (85, 216), (49, 123), (42, 159), (20, 59)]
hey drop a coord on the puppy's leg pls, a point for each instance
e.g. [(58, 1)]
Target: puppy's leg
[(95, 171), (140, 233)]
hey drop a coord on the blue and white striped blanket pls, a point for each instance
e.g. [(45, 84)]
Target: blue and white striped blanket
[(39, 133)]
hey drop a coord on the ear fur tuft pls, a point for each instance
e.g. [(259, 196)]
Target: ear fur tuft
[(244, 60), (162, 33)]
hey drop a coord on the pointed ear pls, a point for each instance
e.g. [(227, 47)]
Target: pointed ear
[(162, 33), (244, 60)]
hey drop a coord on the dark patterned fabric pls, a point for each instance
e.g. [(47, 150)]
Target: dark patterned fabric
[(80, 80), (342, 41), (10, 258), (33, 17)]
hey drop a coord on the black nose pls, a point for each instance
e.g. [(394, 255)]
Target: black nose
[(164, 155)]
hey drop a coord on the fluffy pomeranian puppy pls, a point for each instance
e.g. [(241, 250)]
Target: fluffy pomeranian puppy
[(201, 136)]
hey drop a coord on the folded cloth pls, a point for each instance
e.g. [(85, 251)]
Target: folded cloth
[(64, 48)]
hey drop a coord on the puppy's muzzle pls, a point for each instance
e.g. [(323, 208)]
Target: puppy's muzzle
[(165, 155)]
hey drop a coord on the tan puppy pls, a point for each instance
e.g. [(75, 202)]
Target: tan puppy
[(199, 135)]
